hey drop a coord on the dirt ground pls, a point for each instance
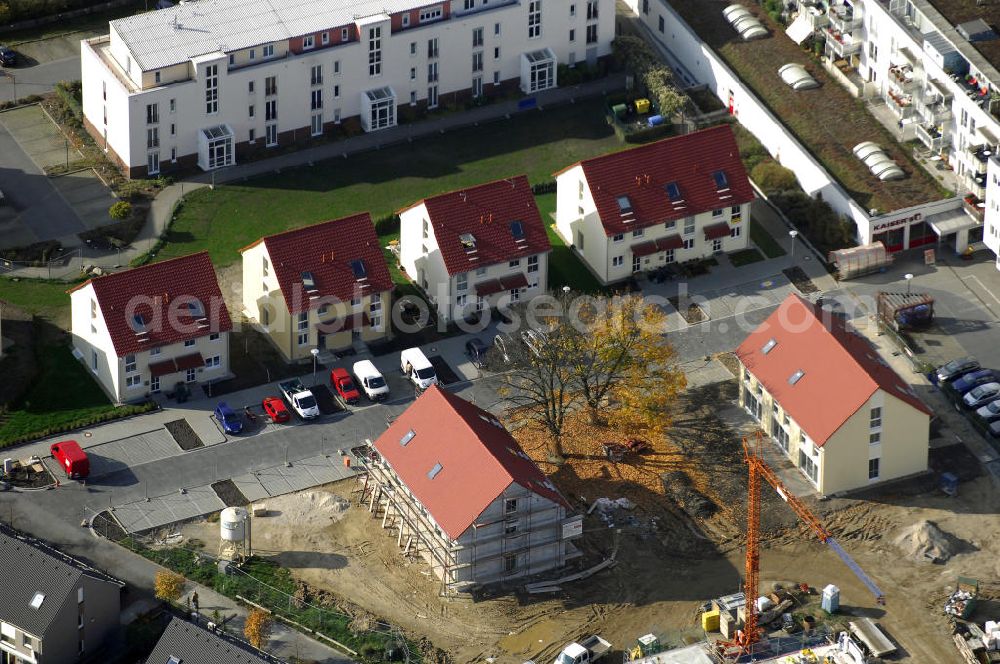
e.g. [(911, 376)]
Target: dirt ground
[(670, 561)]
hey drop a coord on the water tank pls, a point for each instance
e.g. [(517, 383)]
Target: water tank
[(232, 524)]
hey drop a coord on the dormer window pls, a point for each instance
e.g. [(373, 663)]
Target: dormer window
[(517, 230), (721, 181), (359, 269), (673, 191), (309, 281), (624, 204), (468, 241)]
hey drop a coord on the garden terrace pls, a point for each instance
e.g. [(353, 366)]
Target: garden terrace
[(828, 121)]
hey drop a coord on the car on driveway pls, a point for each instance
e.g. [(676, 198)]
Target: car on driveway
[(990, 412), (371, 380), (952, 370), (275, 409), (228, 418), (973, 379), (994, 429), (8, 58), (476, 349), (982, 395), (343, 385)]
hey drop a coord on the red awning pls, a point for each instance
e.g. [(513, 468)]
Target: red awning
[(644, 248), (157, 369), (513, 281), (716, 231), (670, 242), (351, 322), (192, 361), (488, 287)]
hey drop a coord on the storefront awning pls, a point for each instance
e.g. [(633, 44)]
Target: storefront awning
[(716, 231), (800, 28), (954, 221)]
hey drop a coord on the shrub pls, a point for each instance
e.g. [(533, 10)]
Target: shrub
[(120, 210), (637, 56), (387, 225), (773, 178), (548, 187), (168, 585)]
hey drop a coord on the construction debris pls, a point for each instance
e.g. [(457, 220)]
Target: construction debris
[(924, 541)]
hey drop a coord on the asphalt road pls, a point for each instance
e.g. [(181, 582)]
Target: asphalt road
[(38, 79)]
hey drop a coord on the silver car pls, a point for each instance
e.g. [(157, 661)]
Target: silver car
[(982, 395)]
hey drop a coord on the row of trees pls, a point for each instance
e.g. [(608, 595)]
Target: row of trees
[(608, 356)]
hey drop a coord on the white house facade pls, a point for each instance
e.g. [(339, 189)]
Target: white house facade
[(672, 201), (474, 249), (203, 83)]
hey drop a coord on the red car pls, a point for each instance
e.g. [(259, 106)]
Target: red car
[(72, 458), (343, 384), (275, 408)]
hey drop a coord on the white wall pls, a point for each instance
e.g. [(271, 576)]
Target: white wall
[(87, 342), (991, 236)]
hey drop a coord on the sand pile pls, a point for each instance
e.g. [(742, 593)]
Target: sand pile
[(925, 542), (303, 514)]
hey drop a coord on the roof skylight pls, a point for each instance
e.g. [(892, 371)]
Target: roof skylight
[(517, 230), (624, 204), (468, 241), (771, 343), (721, 181), (796, 377), (433, 472), (407, 437), (36, 601), (359, 269), (309, 281), (673, 191)]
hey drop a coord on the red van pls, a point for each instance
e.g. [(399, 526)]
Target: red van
[(72, 458)]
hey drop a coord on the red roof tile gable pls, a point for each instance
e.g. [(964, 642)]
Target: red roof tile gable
[(487, 212), (840, 369), (327, 251), (478, 459), (669, 179), (151, 306)]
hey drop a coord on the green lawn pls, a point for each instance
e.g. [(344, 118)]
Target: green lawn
[(47, 299), (565, 267), (63, 396), (760, 237), (745, 257), (537, 144)]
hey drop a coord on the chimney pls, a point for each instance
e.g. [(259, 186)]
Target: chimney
[(464, 196)]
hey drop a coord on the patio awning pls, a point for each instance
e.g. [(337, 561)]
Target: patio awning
[(488, 287), (352, 322), (157, 369), (514, 281), (670, 242), (192, 361), (644, 248), (716, 231), (954, 221), (800, 28)]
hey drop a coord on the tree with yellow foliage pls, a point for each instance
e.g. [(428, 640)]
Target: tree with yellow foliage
[(257, 627), (168, 585)]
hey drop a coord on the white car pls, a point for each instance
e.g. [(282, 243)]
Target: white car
[(982, 395), (370, 380), (415, 366)]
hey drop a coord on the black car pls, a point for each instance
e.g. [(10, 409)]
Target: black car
[(995, 429), (476, 349), (8, 58), (952, 370)]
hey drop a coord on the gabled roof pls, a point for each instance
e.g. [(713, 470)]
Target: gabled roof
[(35, 577), (669, 179), (475, 457), (501, 217), (191, 644), (839, 369), (328, 252), (159, 295)]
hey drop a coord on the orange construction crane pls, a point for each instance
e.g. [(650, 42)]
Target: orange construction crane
[(758, 468)]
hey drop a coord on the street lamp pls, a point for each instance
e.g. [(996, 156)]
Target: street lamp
[(315, 354), (793, 234), (908, 278)]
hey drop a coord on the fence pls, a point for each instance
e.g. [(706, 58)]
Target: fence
[(67, 265)]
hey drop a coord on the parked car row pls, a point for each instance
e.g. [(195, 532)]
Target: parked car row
[(978, 390)]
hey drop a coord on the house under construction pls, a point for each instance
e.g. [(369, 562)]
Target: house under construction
[(460, 491)]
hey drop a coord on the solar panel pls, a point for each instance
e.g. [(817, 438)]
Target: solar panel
[(721, 181), (673, 191), (517, 230), (359, 269)]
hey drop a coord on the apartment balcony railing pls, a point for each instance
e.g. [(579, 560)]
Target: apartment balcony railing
[(903, 77), (900, 104), (975, 206), (844, 19), (931, 137), (842, 43)]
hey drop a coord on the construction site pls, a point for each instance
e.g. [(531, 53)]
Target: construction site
[(662, 572)]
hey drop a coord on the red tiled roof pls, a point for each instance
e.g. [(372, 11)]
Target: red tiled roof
[(487, 212), (326, 250), (841, 370), (479, 460), (159, 294), (643, 173), (715, 231)]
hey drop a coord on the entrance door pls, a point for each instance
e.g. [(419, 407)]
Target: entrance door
[(636, 263)]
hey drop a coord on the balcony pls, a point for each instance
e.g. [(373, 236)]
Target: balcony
[(903, 77), (931, 136), (975, 206), (842, 43), (900, 104), (844, 18)]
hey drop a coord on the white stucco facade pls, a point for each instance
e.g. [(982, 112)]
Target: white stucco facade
[(336, 63)]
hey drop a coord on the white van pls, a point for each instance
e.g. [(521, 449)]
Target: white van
[(415, 366), (370, 380)]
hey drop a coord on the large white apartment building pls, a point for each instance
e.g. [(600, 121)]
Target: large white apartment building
[(937, 74), (209, 81)]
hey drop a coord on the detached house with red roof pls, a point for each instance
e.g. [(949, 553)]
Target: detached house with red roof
[(473, 249), (151, 327), (459, 490), (324, 286), (829, 401), (667, 202)]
